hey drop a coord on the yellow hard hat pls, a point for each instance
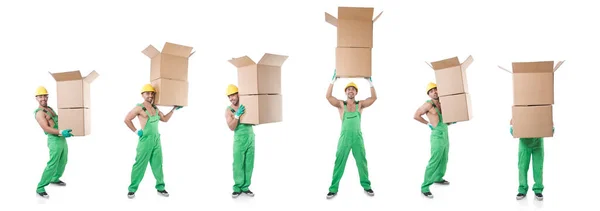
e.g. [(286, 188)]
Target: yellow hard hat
[(41, 91), (231, 89), (148, 88), (430, 86), (351, 84)]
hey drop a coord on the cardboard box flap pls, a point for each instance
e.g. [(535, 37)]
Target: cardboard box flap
[(91, 77), (272, 60), (177, 50), (67, 76), (533, 67), (377, 17), (356, 13), (558, 64), (241, 61), (467, 62), (450, 62), (330, 19), (151, 51)]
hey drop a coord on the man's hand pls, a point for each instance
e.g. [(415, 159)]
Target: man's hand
[(140, 132), (511, 131), (177, 107), (66, 133), (334, 78), (430, 126), (240, 111), (370, 80)]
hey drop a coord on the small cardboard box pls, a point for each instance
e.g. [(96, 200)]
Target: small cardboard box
[(451, 75), (532, 121), (73, 90), (456, 108), (354, 26), (171, 63), (77, 119), (533, 82), (170, 92), (262, 109), (353, 62), (263, 77)]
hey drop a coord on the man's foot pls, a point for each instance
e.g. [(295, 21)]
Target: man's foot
[(428, 195), (520, 196), (539, 196), (43, 195), (131, 195), (59, 183), (370, 192), (330, 195), (235, 194), (443, 182), (163, 193), (249, 193)]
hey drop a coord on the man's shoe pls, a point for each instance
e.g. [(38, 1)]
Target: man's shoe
[(428, 195), (330, 195), (235, 194), (443, 182), (249, 193), (163, 193), (59, 183), (131, 195), (370, 192), (539, 196), (43, 195), (520, 196)]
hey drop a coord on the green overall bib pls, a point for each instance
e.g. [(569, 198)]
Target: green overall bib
[(350, 140), (436, 168), (243, 156), (148, 150), (531, 148), (58, 155)]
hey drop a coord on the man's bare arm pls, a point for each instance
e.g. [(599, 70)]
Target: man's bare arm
[(370, 100), (422, 111), (232, 122), (165, 118), (130, 116), (330, 98), (40, 116)]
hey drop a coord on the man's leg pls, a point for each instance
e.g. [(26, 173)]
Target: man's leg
[(156, 164), (538, 169), (239, 159), (341, 156), (248, 164), (433, 165), (438, 176), (142, 157), (360, 156), (524, 160), (62, 160), (51, 166)]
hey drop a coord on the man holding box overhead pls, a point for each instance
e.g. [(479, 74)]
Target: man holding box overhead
[(436, 168), (57, 143), (149, 148), (243, 144), (531, 149), (351, 138)]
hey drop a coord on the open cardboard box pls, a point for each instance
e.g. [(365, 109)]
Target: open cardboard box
[(74, 101), (263, 77)]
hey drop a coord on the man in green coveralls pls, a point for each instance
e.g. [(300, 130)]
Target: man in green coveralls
[(351, 138), (243, 144), (57, 143), (531, 150), (436, 168), (149, 147)]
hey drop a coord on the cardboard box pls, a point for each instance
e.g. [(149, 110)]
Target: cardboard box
[(263, 77), (533, 82), (73, 90), (262, 109), (456, 108), (451, 76), (170, 92), (532, 121), (77, 119), (354, 26), (171, 63), (353, 62)]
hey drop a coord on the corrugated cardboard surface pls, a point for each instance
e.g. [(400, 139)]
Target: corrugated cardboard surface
[(533, 88), (263, 77), (532, 121), (354, 26), (456, 108), (261, 109), (451, 81), (169, 66), (73, 90), (79, 120), (170, 92), (353, 62)]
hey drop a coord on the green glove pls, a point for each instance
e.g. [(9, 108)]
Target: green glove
[(240, 111), (66, 133), (334, 78), (178, 107), (511, 131)]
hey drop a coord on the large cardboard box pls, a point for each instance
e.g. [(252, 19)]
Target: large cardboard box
[(170, 92), (451, 76), (262, 109), (73, 90), (77, 119), (532, 121), (456, 108), (170, 63), (533, 82), (354, 26), (263, 77), (353, 62)]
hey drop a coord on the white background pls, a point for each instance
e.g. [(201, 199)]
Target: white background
[(294, 159)]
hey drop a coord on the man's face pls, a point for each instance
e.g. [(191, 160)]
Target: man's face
[(42, 100), (351, 92), (433, 94), (148, 96), (234, 99)]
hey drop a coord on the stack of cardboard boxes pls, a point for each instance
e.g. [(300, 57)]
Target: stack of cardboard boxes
[(169, 73), (533, 97), (259, 86), (354, 41), (73, 96), (453, 91)]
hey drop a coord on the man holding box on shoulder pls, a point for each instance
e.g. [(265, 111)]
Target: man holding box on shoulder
[(351, 138), (243, 144), (439, 140), (149, 147), (57, 143), (531, 150)]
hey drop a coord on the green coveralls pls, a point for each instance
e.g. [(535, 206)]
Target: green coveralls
[(350, 139), (436, 168), (528, 148), (243, 156), (148, 149), (58, 156)]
